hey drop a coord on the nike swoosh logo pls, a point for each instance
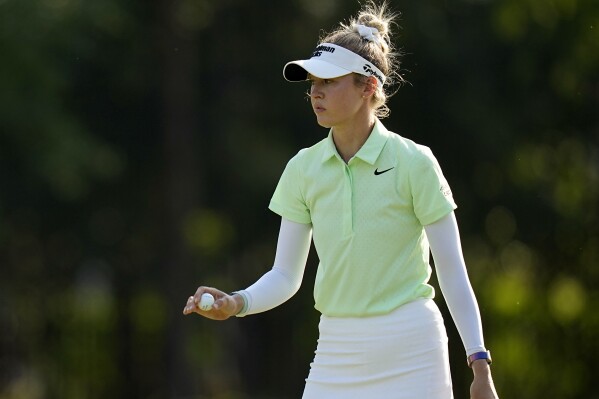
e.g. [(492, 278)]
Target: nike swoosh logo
[(376, 171)]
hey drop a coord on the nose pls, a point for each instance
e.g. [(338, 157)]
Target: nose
[(315, 92)]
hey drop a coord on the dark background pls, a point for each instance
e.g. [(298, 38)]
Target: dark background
[(140, 142)]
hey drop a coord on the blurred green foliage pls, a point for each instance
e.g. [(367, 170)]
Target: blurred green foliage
[(140, 143)]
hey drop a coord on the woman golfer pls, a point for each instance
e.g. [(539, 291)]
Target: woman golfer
[(374, 202)]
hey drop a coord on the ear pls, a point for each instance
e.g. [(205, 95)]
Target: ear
[(370, 87)]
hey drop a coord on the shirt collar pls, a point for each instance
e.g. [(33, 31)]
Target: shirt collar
[(369, 152)]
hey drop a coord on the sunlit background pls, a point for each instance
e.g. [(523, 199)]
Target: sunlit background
[(140, 143)]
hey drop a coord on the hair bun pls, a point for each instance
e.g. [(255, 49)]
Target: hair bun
[(376, 17), (373, 21)]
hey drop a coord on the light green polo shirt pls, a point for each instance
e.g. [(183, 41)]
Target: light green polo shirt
[(367, 218)]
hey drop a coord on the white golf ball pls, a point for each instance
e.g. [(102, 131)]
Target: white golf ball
[(206, 301)]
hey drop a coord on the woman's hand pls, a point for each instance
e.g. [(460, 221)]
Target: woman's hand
[(224, 306), (482, 387)]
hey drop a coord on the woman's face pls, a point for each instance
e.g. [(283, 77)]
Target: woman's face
[(338, 101)]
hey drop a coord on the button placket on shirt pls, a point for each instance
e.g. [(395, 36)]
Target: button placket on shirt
[(349, 197)]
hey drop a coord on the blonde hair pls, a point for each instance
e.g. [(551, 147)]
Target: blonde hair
[(381, 53)]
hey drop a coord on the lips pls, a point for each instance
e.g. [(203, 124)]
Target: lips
[(318, 109)]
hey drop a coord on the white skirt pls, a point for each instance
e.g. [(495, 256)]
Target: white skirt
[(400, 355)]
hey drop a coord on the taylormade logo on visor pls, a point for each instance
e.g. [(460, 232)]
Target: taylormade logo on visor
[(368, 69)]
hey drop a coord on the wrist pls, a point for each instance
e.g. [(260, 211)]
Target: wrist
[(481, 368), (239, 303)]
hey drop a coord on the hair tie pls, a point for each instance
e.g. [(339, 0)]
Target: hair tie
[(368, 33)]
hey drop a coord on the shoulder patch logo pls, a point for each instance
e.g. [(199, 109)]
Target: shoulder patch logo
[(445, 190)]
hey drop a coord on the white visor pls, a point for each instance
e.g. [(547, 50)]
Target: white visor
[(331, 61)]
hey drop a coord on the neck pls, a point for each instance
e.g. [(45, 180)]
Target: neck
[(350, 137)]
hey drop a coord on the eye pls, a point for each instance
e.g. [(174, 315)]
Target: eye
[(327, 81)]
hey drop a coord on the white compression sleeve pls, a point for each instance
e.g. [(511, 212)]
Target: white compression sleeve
[(444, 240), (284, 279)]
